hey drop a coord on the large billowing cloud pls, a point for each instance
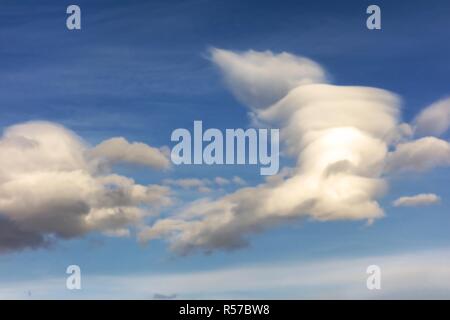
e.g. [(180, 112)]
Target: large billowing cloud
[(340, 137), (53, 185), (419, 155)]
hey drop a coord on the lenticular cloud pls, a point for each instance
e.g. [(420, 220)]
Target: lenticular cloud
[(339, 135)]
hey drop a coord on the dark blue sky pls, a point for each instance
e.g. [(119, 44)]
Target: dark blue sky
[(136, 65)]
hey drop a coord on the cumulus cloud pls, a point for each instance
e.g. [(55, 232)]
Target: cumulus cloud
[(53, 186), (338, 135), (120, 150), (435, 119), (422, 199), (410, 275), (13, 237), (419, 155)]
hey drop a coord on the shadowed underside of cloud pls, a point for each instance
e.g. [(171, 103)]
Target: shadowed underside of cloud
[(419, 155), (340, 137), (12, 237), (53, 185)]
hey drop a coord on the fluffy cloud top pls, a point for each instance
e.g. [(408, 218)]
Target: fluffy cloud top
[(422, 199), (258, 79), (51, 185)]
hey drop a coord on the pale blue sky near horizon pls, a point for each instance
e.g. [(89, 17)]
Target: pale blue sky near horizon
[(140, 69)]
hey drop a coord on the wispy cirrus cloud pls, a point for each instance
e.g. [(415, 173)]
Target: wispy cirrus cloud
[(119, 150), (409, 275), (204, 185), (419, 155)]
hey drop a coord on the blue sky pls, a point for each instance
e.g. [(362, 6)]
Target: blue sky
[(140, 69)]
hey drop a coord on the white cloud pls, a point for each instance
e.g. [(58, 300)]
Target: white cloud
[(51, 185), (422, 199), (259, 79), (339, 136), (435, 119), (419, 155), (120, 150)]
